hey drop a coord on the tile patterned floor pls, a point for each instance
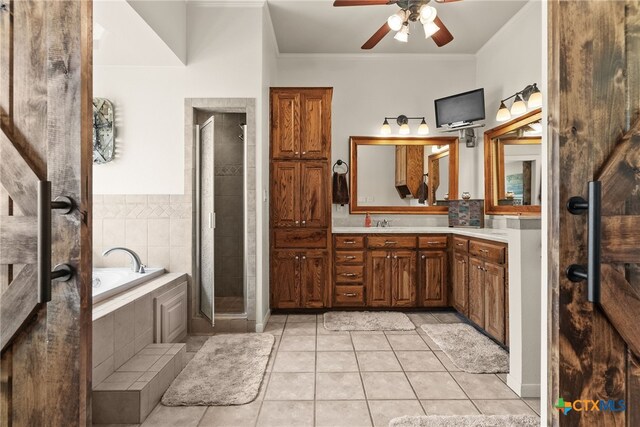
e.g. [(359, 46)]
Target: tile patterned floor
[(320, 378)]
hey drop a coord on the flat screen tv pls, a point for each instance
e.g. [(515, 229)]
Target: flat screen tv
[(460, 109)]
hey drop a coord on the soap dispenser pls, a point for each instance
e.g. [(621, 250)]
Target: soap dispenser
[(367, 220)]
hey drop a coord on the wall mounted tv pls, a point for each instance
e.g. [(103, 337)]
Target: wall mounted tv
[(461, 109)]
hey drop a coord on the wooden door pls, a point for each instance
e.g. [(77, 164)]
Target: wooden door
[(460, 288), (494, 301), (285, 194), (285, 279), (315, 114), (314, 194), (285, 124), (45, 135), (403, 279), (313, 278), (594, 106), (432, 278), (476, 291), (378, 279)]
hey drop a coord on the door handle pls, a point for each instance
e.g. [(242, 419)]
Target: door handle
[(591, 273), (62, 272)]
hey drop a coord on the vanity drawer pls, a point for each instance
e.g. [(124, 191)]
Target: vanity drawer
[(432, 242), (308, 239), (349, 257), (349, 242), (349, 273), (391, 242), (460, 244), (349, 296), (490, 251)]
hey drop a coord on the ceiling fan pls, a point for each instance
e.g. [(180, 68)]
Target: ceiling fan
[(410, 11)]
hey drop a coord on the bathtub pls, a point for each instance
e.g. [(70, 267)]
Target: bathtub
[(111, 281)]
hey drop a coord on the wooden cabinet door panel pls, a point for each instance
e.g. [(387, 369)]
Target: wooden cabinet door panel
[(460, 291), (403, 281), (314, 206), (285, 279), (432, 278), (285, 194), (315, 124), (313, 279), (285, 124), (378, 279), (476, 291), (494, 301)]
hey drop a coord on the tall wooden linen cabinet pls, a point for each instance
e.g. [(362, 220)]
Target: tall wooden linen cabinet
[(300, 205)]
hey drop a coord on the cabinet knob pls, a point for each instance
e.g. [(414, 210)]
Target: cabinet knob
[(304, 152), (304, 222), (304, 257), (388, 256), (424, 256), (297, 152), (297, 257), (395, 257), (297, 222)]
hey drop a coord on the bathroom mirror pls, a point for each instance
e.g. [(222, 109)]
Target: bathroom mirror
[(403, 175), (513, 166), (104, 132)]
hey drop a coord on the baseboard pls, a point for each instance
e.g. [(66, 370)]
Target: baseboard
[(260, 326), (523, 390)]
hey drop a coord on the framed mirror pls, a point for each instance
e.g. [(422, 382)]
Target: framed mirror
[(403, 175), (513, 166)]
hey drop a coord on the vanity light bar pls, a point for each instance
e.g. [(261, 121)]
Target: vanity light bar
[(403, 122), (531, 94)]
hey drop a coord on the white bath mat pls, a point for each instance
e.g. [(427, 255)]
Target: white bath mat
[(367, 321)]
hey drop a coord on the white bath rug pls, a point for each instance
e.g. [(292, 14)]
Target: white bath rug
[(467, 421), (468, 349), (367, 321), (227, 370)]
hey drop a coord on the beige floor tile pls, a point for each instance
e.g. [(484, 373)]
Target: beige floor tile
[(277, 318), (286, 414), (378, 361), (139, 363), (383, 411), (420, 319), (339, 386), (449, 407), (195, 342), (353, 413), (171, 416), (504, 407), (298, 343), (444, 359), (115, 425), (435, 385), (366, 333), (275, 329), (419, 361), (299, 328), (534, 403), (503, 377), (334, 343), (414, 332), (365, 342), (295, 361), (227, 416), (483, 386), (447, 317), (301, 318), (427, 339), (290, 386), (387, 385), (336, 361), (322, 331), (407, 342)]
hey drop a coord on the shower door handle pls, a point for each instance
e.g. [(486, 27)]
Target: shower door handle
[(212, 220)]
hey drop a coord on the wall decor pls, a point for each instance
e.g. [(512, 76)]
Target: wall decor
[(104, 131)]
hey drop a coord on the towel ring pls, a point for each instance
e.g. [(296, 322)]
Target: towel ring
[(340, 163)]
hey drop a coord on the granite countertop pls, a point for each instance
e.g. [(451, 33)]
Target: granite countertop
[(498, 235)]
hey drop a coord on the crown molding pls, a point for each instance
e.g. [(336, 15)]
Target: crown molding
[(226, 3), (380, 56)]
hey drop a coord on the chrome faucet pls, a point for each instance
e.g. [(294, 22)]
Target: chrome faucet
[(384, 223), (136, 264)]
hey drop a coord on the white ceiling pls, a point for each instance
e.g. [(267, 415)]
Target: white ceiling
[(315, 26)]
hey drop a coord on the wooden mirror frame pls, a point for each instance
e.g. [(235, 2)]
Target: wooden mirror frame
[(492, 172), (356, 141)]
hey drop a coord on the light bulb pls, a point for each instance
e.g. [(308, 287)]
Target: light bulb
[(430, 28), (428, 14), (535, 99), (386, 128), (423, 129), (404, 129), (403, 34), (503, 113), (396, 20), (518, 107)]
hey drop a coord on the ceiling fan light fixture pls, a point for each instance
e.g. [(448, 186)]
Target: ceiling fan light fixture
[(403, 34), (430, 28), (428, 14), (503, 113), (423, 129), (518, 107), (396, 20)]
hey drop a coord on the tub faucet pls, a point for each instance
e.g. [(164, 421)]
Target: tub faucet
[(136, 264)]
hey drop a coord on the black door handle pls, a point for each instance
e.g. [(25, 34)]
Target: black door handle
[(590, 273)]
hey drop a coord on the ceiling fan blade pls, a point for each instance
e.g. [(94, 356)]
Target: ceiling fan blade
[(339, 3), (375, 39), (442, 36)]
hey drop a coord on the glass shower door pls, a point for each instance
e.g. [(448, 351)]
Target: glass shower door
[(207, 220)]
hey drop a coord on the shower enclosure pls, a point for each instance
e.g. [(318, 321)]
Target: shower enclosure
[(221, 186)]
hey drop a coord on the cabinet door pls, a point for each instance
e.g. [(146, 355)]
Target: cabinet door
[(378, 279), (285, 279), (476, 291), (432, 278), (315, 124), (314, 209), (403, 281), (285, 194), (460, 291), (313, 279), (494, 301), (285, 124)]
